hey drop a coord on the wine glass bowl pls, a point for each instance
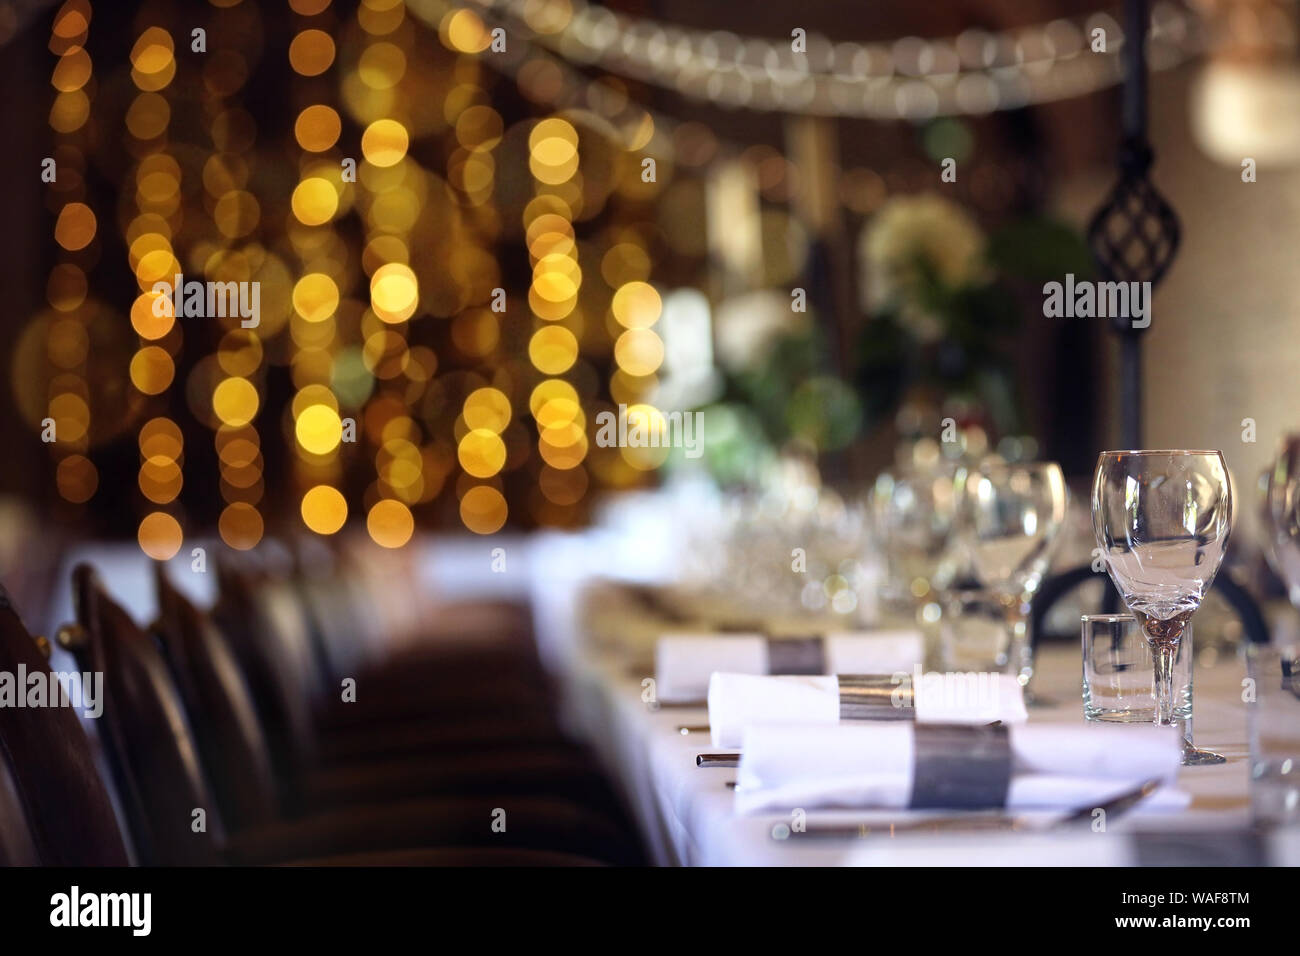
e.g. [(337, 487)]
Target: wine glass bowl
[(1014, 512), (1282, 515), (913, 515), (1162, 521)]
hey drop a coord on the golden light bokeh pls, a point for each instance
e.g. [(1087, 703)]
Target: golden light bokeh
[(160, 438), (324, 509), (548, 400), (390, 523), (315, 297), (385, 142), (72, 71), (237, 213), (66, 288), (636, 305), (488, 409), (235, 401), (553, 349), (148, 116), (153, 63), (145, 317), (308, 8), (314, 201), (240, 352), (394, 292), (319, 429), (311, 52), (483, 510), (650, 421), (240, 526), (317, 128), (553, 151), (160, 480), (75, 227), (71, 417), (160, 536), (77, 479), (382, 66), (72, 20), (481, 452), (153, 51), (639, 352), (463, 30), (379, 292), (152, 370)]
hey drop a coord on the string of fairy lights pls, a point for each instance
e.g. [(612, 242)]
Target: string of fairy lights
[(67, 340), (912, 78), (318, 197), (227, 252), (420, 382), (392, 196), (158, 219)]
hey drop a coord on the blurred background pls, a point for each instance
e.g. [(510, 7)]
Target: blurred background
[(476, 226)]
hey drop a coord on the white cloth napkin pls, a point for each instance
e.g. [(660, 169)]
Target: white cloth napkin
[(685, 662), (737, 700), (870, 764)]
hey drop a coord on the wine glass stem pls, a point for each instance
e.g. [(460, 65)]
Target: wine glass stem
[(1163, 655), (1020, 649)]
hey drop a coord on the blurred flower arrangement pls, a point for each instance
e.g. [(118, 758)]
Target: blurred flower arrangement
[(943, 300)]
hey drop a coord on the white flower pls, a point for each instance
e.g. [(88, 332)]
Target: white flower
[(746, 326), (906, 233)]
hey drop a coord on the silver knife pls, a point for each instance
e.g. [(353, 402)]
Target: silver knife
[(981, 821)]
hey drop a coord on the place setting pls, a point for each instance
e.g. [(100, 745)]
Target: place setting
[(873, 734)]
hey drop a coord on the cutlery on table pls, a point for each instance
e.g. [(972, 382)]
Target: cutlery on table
[(982, 821)]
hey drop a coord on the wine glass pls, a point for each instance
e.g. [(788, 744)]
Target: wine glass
[(912, 516), (1282, 515), (1013, 513), (1275, 667), (1162, 520)]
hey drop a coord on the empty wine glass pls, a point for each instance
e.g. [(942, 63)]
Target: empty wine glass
[(912, 516), (1012, 514), (1162, 520), (1282, 515)]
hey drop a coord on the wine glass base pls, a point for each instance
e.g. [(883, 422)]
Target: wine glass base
[(1196, 757)]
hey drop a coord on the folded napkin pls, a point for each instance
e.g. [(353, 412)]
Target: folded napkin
[(737, 700), (926, 766), (685, 662)]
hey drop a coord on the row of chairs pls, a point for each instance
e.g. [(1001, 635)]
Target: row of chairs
[(319, 714)]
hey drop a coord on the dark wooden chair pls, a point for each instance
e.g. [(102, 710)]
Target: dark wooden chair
[(49, 772), (157, 764)]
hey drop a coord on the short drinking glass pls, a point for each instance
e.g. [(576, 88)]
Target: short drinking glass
[(1118, 680)]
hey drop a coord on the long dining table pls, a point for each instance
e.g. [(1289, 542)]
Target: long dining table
[(686, 812)]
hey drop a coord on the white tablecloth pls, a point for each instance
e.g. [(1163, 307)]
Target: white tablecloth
[(686, 812)]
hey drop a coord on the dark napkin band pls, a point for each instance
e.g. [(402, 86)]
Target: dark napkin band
[(877, 697), (796, 655), (958, 767)]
